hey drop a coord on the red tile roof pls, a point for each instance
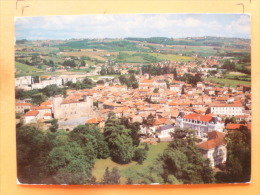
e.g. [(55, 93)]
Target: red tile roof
[(147, 81), (47, 103), (32, 113), (215, 139), (198, 117), (23, 104), (94, 120), (47, 114), (237, 126), (40, 108)]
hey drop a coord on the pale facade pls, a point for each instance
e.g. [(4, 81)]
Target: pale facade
[(203, 124), (227, 109), (21, 107), (69, 108)]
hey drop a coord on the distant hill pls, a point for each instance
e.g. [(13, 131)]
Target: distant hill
[(197, 41)]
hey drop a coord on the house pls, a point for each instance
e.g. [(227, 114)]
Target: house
[(227, 109), (214, 148), (22, 107), (176, 88), (164, 131), (42, 110), (47, 116), (31, 116), (100, 122), (203, 124)]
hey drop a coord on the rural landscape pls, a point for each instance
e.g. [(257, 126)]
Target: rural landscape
[(133, 110)]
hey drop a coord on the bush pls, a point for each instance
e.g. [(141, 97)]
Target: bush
[(140, 155)]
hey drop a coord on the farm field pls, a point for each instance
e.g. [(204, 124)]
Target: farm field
[(92, 54), (131, 170), (25, 68), (171, 57), (141, 57), (228, 82)]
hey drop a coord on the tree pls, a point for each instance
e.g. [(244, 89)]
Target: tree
[(230, 66), (233, 120), (175, 73), (135, 85), (146, 146), (100, 82), (238, 165), (119, 140), (70, 165), (89, 135), (52, 90), (182, 162), (150, 120), (82, 63), (103, 71), (51, 63), (156, 90), (112, 177), (88, 82), (33, 148), (54, 124), (134, 131), (140, 155)]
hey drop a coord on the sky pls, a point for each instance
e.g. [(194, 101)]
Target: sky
[(132, 25)]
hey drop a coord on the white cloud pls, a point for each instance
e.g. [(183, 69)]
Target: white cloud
[(125, 25), (241, 25)]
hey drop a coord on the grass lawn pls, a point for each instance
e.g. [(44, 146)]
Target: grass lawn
[(131, 170), (228, 82), (25, 68)]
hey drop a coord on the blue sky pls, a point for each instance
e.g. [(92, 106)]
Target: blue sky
[(132, 25)]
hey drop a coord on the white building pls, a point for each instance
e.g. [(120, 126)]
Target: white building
[(22, 107), (165, 131), (202, 123), (32, 116), (227, 109), (215, 148), (20, 81)]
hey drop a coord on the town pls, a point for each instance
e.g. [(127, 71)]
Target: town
[(158, 86)]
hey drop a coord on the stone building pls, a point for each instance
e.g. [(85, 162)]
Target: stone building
[(72, 108)]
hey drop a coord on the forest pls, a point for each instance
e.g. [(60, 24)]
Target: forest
[(56, 156)]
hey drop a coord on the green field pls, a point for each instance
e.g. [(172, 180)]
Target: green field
[(228, 82), (172, 57), (97, 76), (131, 170), (142, 57), (25, 68)]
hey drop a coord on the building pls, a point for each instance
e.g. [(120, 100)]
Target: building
[(214, 148), (227, 109), (237, 126), (203, 124), (67, 108), (31, 117), (100, 122), (164, 131), (22, 107)]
